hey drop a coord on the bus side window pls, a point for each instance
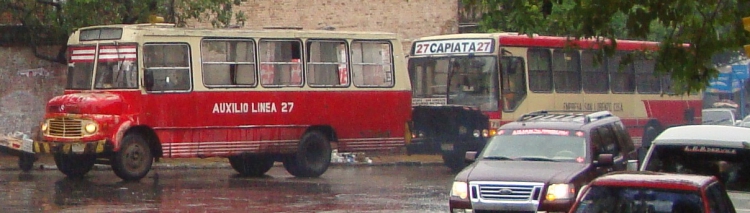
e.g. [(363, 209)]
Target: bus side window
[(280, 63), (167, 67)]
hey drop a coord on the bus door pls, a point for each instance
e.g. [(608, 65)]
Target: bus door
[(168, 82)]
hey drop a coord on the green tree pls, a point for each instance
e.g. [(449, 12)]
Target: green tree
[(50, 22), (711, 28)]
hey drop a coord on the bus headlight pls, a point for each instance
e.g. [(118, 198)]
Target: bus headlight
[(90, 128), (560, 191), (460, 190), (476, 133)]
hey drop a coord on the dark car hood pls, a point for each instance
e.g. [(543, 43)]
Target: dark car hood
[(525, 171)]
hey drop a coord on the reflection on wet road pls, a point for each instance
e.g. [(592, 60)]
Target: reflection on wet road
[(340, 189)]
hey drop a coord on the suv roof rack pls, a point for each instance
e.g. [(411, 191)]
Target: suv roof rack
[(562, 115)]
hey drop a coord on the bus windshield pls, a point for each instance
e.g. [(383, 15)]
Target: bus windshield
[(115, 67), (460, 80)]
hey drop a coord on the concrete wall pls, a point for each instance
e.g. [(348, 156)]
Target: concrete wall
[(26, 82), (409, 18)]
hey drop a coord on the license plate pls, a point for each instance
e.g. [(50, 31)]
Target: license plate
[(78, 148), (446, 147)]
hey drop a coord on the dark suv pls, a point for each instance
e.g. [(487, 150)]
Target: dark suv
[(540, 161)]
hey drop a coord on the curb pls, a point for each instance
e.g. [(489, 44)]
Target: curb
[(225, 165)]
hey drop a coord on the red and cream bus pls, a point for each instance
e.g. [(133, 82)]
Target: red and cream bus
[(136, 93), (506, 75)]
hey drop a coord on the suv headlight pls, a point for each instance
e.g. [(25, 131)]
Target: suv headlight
[(560, 191), (460, 190), (90, 127)]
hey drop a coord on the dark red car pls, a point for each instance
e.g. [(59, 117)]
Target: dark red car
[(627, 192)]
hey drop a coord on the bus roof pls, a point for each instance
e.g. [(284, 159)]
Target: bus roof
[(510, 39), (170, 30), (717, 135)]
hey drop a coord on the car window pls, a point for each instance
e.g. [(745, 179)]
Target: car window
[(605, 141), (718, 200), (718, 117), (627, 200), (728, 164)]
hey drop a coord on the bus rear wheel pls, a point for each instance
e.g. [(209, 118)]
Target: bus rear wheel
[(250, 164), (74, 166), (134, 159), (454, 160), (312, 158)]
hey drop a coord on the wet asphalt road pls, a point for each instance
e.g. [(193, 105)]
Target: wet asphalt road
[(340, 189)]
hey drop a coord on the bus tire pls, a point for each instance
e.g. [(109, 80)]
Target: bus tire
[(74, 166), (134, 159), (250, 164), (312, 158), (26, 162), (454, 160)]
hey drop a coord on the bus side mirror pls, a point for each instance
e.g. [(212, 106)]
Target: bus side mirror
[(605, 160), (148, 79)]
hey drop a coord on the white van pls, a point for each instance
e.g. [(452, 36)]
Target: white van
[(712, 150)]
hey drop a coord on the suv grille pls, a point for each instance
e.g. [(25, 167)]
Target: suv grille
[(65, 127), (506, 191)]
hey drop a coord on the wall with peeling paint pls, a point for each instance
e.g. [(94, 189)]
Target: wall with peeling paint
[(26, 83)]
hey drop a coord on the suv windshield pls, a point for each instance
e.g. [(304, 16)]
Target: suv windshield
[(622, 199), (548, 145), (730, 165)]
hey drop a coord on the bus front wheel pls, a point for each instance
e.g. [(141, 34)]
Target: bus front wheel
[(26, 162), (74, 166), (251, 165), (134, 159), (312, 158)]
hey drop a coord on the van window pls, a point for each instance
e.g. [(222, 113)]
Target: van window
[(728, 164)]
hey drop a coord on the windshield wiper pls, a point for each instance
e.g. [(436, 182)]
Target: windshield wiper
[(497, 158), (716, 122), (535, 159)]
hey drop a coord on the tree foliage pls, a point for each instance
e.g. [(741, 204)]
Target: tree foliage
[(50, 22), (710, 28)]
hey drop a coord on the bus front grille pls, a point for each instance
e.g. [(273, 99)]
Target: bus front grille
[(65, 127)]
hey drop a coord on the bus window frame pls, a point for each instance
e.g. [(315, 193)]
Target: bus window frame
[(585, 71), (548, 71), (148, 72), (393, 65), (628, 67), (308, 62), (565, 72), (302, 59), (255, 63)]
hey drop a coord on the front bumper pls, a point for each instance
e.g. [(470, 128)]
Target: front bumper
[(95, 147)]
